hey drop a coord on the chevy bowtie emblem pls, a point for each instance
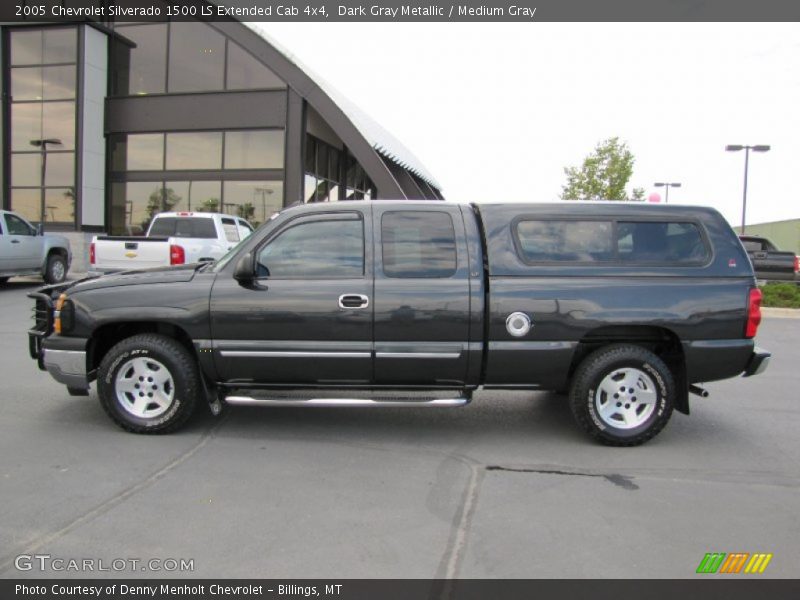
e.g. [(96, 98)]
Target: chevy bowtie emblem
[(130, 254)]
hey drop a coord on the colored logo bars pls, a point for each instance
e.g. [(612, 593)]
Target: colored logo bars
[(734, 563)]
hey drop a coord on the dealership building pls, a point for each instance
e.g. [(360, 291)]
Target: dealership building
[(105, 125)]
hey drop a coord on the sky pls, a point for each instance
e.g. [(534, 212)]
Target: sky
[(496, 111)]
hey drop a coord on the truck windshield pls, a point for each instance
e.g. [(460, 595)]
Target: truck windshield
[(184, 227)]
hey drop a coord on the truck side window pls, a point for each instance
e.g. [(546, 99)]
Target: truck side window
[(230, 229), (561, 240), (418, 244), (17, 226), (332, 249), (660, 242)]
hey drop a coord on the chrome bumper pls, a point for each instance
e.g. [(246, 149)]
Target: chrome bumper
[(758, 363), (67, 367)]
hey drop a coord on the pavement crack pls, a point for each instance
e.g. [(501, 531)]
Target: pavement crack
[(450, 565), (622, 481), (7, 561)]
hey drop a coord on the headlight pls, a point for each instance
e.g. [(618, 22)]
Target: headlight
[(63, 315)]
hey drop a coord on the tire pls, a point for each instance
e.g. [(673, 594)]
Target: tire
[(622, 395), (56, 269), (149, 383)]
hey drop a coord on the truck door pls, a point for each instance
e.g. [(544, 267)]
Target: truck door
[(23, 247), (422, 295), (307, 319)]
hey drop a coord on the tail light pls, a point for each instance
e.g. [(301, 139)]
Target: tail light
[(796, 264), (176, 255), (91, 254), (753, 313)]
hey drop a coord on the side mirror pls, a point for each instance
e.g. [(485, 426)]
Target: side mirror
[(244, 272)]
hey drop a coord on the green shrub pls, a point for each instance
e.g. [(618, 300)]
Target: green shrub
[(783, 295)]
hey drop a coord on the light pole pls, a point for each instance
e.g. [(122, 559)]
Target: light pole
[(43, 145), (736, 148), (263, 191), (666, 185)]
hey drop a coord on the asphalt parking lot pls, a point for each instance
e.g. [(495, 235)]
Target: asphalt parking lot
[(506, 487)]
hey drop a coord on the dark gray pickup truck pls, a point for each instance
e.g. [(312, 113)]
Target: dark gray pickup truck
[(769, 263), (624, 306)]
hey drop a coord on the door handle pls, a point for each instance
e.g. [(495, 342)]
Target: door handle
[(15, 241), (350, 301)]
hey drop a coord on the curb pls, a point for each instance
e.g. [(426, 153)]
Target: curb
[(780, 313)]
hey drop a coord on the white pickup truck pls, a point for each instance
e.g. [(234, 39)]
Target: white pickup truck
[(173, 238)]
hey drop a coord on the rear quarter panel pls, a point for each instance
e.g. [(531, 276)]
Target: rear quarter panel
[(704, 306)]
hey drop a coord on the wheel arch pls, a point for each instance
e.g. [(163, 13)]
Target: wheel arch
[(661, 341), (108, 335)]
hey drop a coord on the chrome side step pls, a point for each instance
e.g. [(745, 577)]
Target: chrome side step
[(347, 402)]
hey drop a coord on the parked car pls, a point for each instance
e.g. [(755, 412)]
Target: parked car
[(628, 307), (26, 251), (769, 263), (173, 238)]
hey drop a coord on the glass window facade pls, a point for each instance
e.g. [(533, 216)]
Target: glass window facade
[(140, 66), (194, 150), (135, 203), (196, 58), (255, 149), (42, 76), (246, 72), (238, 172), (332, 174), (183, 57)]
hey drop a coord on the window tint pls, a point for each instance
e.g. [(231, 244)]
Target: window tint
[(318, 249), (574, 241), (17, 226), (418, 244), (185, 227), (660, 242)]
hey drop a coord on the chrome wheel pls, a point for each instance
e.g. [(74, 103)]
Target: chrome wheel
[(626, 398), (144, 388), (57, 271)]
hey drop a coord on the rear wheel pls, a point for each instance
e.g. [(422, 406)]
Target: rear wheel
[(56, 269), (622, 395), (148, 383)]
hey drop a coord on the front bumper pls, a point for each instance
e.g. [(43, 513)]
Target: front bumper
[(67, 367), (758, 362)]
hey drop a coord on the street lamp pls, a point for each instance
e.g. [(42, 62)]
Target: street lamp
[(263, 191), (43, 145), (737, 148), (666, 185)]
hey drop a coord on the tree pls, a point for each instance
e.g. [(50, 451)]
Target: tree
[(160, 200), (209, 205), (603, 174), (246, 211)]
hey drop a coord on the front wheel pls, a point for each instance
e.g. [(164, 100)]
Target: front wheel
[(148, 383), (622, 395)]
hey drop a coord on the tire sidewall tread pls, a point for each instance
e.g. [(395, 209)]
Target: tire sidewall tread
[(182, 367), (598, 365)]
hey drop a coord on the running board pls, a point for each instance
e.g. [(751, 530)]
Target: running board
[(347, 402)]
